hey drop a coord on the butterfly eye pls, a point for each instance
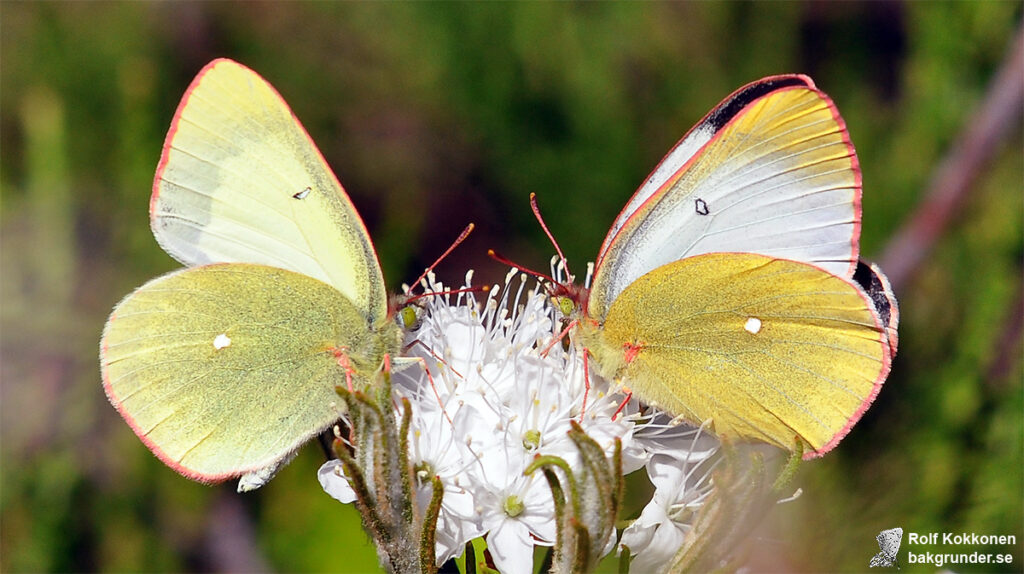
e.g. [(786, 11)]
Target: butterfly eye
[(408, 318), (566, 305)]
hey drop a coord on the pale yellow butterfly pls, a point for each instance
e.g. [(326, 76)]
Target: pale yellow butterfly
[(226, 367), (725, 291)]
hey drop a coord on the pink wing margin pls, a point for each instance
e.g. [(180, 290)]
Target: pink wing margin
[(682, 156)]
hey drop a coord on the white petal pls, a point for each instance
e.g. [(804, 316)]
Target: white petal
[(511, 547), (666, 472), (334, 482), (653, 539), (639, 534)]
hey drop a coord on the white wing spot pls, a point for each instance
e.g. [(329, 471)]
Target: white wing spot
[(702, 206), (753, 325), (302, 194), (221, 341)]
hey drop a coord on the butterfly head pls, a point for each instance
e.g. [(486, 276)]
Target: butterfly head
[(569, 298), (407, 312)]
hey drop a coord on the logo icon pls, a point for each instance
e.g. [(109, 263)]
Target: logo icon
[(889, 544)]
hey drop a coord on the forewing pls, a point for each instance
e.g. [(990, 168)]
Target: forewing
[(240, 181), (766, 349), (889, 541), (226, 369), (771, 170)]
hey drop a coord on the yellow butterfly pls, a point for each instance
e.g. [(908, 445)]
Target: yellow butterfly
[(725, 291), (226, 367)]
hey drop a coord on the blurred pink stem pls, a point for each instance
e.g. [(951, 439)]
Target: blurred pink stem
[(1007, 348), (997, 118)]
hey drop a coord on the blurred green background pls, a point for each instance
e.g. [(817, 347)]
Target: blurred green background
[(435, 115)]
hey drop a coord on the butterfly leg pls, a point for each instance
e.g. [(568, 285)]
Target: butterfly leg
[(561, 335), (387, 368), (586, 382), (437, 395), (341, 354), (433, 354), (430, 378), (632, 350), (625, 401)]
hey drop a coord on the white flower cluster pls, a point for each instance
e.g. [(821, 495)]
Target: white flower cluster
[(498, 394)]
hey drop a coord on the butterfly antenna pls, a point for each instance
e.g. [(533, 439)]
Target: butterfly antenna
[(480, 289), (462, 237), (544, 226), (504, 260)]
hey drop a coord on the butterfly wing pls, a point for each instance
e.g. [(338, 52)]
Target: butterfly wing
[(241, 181), (879, 559), (767, 349), (889, 541), (771, 170), (876, 285), (226, 369)]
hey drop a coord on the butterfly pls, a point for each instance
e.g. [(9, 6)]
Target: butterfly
[(889, 544), (225, 367), (729, 290)]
